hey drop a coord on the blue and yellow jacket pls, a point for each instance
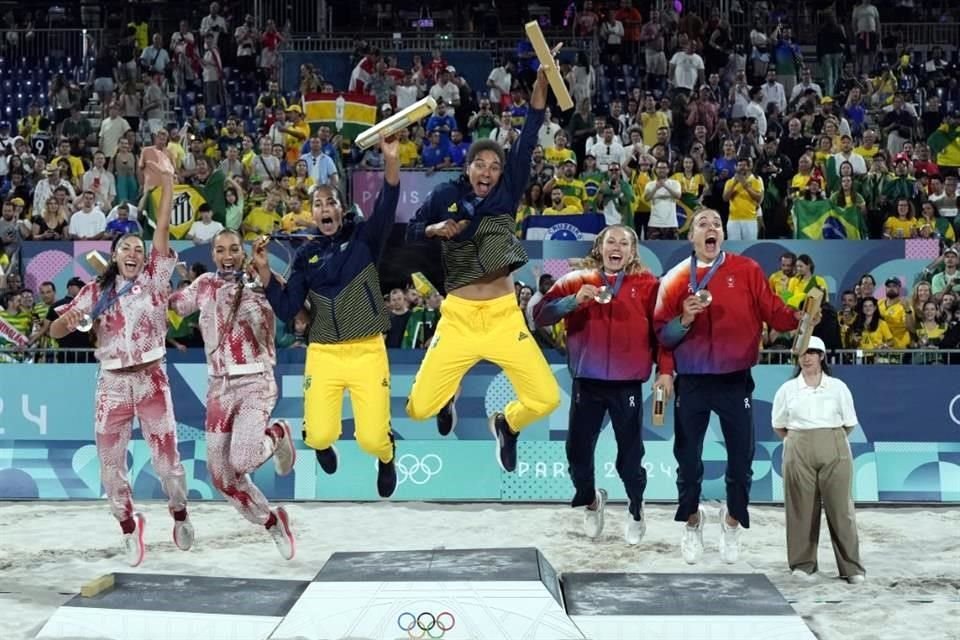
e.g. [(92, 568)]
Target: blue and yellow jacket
[(338, 275), (488, 244)]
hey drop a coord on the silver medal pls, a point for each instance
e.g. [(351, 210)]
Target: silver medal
[(705, 297), (86, 323), (604, 296)]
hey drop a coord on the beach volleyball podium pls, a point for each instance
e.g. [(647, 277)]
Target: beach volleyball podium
[(455, 594)]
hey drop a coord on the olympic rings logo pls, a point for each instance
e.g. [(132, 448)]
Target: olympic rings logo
[(426, 625), (416, 470)]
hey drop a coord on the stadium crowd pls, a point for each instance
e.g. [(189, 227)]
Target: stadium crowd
[(673, 112)]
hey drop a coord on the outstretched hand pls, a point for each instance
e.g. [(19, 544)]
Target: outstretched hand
[(157, 168), (390, 147)]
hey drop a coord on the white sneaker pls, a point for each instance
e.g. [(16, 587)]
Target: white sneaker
[(729, 539), (634, 529), (284, 451), (183, 534), (691, 545), (282, 534), (133, 547), (593, 518), (800, 574), (856, 579)]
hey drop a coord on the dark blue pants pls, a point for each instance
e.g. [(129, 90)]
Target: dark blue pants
[(590, 402), (729, 396)]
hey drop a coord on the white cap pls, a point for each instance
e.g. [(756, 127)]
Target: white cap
[(816, 344)]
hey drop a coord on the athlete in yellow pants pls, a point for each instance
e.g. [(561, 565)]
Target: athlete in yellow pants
[(473, 218), (360, 367), (337, 273)]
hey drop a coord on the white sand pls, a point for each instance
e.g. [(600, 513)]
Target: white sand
[(49, 550)]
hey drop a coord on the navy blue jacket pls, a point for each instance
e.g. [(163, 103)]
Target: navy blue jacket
[(338, 274), (489, 243)]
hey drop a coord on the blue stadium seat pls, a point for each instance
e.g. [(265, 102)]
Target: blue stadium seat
[(216, 111)]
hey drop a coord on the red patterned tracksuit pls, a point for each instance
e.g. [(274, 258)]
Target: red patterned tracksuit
[(133, 383), (242, 391)]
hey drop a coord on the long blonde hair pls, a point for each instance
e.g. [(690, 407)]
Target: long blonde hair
[(594, 259)]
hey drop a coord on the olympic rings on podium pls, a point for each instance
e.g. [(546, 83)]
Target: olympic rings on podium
[(426, 624)]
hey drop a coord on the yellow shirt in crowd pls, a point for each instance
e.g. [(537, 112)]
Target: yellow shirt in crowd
[(879, 339), (556, 157), (897, 228), (566, 210), (265, 221), (408, 152), (895, 315), (742, 206), (797, 289)]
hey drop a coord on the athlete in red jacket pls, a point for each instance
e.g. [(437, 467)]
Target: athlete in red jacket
[(710, 311), (608, 310)]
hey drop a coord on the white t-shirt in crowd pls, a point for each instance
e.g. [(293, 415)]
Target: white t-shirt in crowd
[(203, 232), (663, 205), (688, 66), (608, 153), (88, 225)]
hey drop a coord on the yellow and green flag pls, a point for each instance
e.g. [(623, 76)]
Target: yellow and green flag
[(687, 205), (347, 114), (822, 220)]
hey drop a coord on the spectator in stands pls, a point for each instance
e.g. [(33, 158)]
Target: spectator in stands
[(88, 222), (399, 308), (897, 313), (435, 154), (52, 222), (743, 191), (903, 224), (931, 225), (154, 60), (930, 328), (663, 193), (100, 181), (559, 206), (46, 189), (500, 81), (231, 165), (949, 279), (124, 168), (264, 219), (270, 52), (898, 124), (505, 133), (122, 224), (213, 76), (869, 331), (112, 129), (866, 30), (686, 67), (446, 90), (213, 25), (582, 81), (295, 132), (611, 35), (407, 148), (608, 150), (441, 121), (458, 149), (203, 230)]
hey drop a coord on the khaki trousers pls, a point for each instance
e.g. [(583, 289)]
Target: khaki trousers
[(818, 470)]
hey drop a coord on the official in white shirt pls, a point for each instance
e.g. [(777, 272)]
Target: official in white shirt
[(813, 413)]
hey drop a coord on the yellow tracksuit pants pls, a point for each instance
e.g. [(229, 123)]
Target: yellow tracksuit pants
[(360, 367), (493, 330)]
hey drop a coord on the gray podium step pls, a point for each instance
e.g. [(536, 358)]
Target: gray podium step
[(665, 606), (147, 606)]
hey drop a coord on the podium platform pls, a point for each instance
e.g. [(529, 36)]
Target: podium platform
[(456, 594), (680, 606)]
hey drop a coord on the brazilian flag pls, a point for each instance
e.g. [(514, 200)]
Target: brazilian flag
[(945, 144), (822, 220), (686, 207), (348, 114), (186, 206)]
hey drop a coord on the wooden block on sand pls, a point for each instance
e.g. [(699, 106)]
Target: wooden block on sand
[(99, 585)]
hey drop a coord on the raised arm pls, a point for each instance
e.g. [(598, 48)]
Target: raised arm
[(186, 301), (561, 300), (517, 171), (286, 298), (158, 172), (376, 230)]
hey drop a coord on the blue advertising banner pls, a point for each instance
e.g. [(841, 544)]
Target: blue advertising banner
[(906, 448)]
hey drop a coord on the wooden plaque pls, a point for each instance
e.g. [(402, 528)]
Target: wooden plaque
[(811, 308), (544, 55)]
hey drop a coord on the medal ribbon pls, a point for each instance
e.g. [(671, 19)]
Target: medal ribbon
[(108, 299), (702, 284)]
